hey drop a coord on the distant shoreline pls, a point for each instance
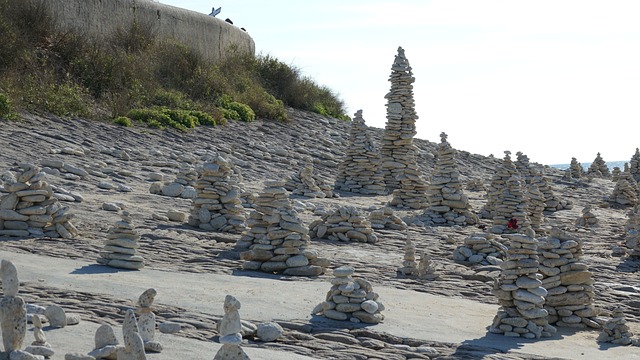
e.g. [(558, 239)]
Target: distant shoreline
[(585, 165)]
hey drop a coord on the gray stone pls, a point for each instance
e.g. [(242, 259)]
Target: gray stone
[(169, 327), (56, 316), (269, 331), (13, 322), (9, 276)]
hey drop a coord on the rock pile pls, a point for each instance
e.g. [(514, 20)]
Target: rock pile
[(399, 167), (426, 267), (575, 170), (568, 282), (475, 185), (277, 239), (307, 184), (40, 346), (182, 186), (624, 193), (13, 312), (351, 299), (30, 208), (105, 343), (598, 168), (359, 170), (347, 223), (587, 219), (448, 205), (616, 331), (520, 292), (217, 206), (480, 248), (632, 229), (409, 264), (230, 330), (386, 219), (147, 321), (552, 202), (121, 245), (634, 165)]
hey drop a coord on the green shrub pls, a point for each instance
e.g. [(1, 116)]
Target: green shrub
[(244, 111), (6, 107), (203, 118), (230, 114), (172, 99), (123, 121)]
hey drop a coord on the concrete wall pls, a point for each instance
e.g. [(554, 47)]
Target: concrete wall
[(210, 36)]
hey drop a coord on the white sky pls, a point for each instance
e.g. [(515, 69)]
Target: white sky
[(554, 79)]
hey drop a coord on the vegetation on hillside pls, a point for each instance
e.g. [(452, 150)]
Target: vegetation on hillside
[(137, 77)]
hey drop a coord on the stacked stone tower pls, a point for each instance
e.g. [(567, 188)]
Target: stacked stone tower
[(359, 170), (598, 168), (399, 167), (575, 170), (634, 165), (448, 205), (120, 247), (306, 183)]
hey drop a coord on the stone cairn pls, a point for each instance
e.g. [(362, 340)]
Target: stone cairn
[(30, 208), (307, 184), (409, 264), (120, 247), (277, 239), (359, 170), (520, 292), (133, 348), (475, 185), (386, 219), (347, 223), (13, 313), (105, 343), (568, 282), (182, 186), (498, 183), (230, 330), (217, 206), (480, 248), (587, 219), (351, 299), (575, 170), (508, 199), (426, 267), (615, 173), (598, 168), (632, 228), (147, 321), (448, 205), (535, 207), (399, 168), (523, 166), (552, 202), (624, 193), (40, 346), (634, 165), (616, 331)]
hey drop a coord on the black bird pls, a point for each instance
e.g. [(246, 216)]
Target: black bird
[(215, 11), (229, 21)]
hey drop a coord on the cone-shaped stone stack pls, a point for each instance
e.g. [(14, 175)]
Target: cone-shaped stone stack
[(480, 248), (568, 281), (448, 205), (598, 168), (575, 170), (634, 165), (120, 247), (30, 209), (397, 151), (386, 219), (523, 166), (231, 332), (509, 199), (409, 264), (498, 183), (552, 202), (347, 223), (624, 194), (615, 173), (359, 171), (632, 228), (351, 299), (277, 239), (217, 206), (615, 330), (305, 183), (626, 174), (587, 219), (520, 292)]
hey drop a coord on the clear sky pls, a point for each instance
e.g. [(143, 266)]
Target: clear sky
[(554, 79)]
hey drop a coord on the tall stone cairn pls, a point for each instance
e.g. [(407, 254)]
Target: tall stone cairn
[(31, 210), (120, 247), (448, 205), (509, 199), (409, 264), (632, 229), (626, 174), (359, 171), (351, 299), (568, 282), (598, 168), (634, 165), (523, 166), (535, 206), (346, 223), (520, 292), (305, 183), (615, 173), (217, 206), (575, 170), (276, 238), (498, 183), (552, 202), (412, 193), (399, 167)]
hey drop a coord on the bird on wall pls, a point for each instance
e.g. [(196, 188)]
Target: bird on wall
[(215, 11), (229, 21)]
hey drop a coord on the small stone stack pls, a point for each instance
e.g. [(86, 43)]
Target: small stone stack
[(480, 248), (575, 170), (409, 265), (448, 205), (306, 184), (615, 173), (624, 194), (40, 346), (351, 299), (510, 201), (347, 223), (598, 168), (230, 330), (568, 282), (133, 348), (217, 206), (182, 186), (147, 321), (13, 311), (359, 170), (426, 267), (520, 292), (399, 167), (523, 166), (626, 174), (386, 219), (587, 219), (277, 239), (30, 208), (121, 245), (552, 202), (615, 330), (634, 165), (632, 229)]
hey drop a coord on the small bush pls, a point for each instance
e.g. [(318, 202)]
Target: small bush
[(172, 99), (230, 114), (6, 107), (243, 110), (123, 121), (203, 118)]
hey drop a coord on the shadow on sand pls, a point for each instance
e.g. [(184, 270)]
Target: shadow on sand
[(496, 344), (98, 269)]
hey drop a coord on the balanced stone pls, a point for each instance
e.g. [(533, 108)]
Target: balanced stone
[(632, 230), (147, 321), (588, 219), (616, 331), (120, 250), (133, 348), (105, 343), (409, 265), (230, 329)]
